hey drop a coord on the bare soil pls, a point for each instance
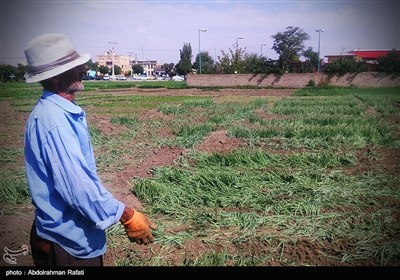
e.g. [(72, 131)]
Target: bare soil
[(16, 220)]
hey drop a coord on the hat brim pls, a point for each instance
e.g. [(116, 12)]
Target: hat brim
[(32, 78)]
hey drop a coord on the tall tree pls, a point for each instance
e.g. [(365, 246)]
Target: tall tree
[(137, 69), (168, 68), (92, 66), (257, 64), (289, 44), (184, 65), (311, 63), (117, 70), (232, 62), (207, 63)]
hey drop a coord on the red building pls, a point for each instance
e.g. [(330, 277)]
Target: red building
[(370, 57), (361, 55), (371, 54)]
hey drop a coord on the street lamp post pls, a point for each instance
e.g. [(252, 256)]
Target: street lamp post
[(237, 40), (262, 46), (130, 62), (200, 30), (319, 46), (112, 57)]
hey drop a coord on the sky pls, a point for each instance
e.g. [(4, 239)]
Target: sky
[(159, 29)]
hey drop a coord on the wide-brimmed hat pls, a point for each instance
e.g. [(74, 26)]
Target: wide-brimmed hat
[(49, 55)]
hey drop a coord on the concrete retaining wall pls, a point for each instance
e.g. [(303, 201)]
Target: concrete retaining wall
[(294, 80)]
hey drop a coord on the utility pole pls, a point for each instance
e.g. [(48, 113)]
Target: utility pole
[(200, 30), (130, 62), (263, 44), (112, 57), (319, 45), (237, 40)]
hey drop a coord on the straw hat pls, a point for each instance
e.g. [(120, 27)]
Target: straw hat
[(49, 55)]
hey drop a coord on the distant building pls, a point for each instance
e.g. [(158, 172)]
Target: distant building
[(336, 57), (107, 58), (158, 71), (126, 63), (371, 54), (149, 65), (370, 57)]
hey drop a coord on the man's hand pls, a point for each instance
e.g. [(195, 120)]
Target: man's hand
[(138, 228)]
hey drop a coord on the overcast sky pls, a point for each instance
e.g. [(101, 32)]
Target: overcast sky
[(159, 29)]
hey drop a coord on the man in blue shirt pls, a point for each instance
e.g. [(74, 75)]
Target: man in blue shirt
[(72, 207)]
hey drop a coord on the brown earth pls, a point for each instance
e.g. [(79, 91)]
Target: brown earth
[(201, 92), (16, 220)]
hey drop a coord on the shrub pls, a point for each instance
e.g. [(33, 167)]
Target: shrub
[(311, 83)]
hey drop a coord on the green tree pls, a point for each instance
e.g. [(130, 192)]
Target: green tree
[(7, 72), (104, 69), (289, 44), (21, 71), (207, 63), (254, 63), (168, 68), (232, 62), (92, 66), (184, 65), (389, 63), (346, 65), (117, 70), (137, 69), (311, 63), (257, 64)]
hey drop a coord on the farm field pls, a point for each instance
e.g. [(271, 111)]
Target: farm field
[(231, 176)]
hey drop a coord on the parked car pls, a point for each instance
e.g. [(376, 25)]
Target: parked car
[(106, 77), (120, 77), (178, 78)]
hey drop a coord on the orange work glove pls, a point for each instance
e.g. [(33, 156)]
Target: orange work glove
[(138, 228)]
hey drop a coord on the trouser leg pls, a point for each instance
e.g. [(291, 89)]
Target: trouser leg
[(47, 253)]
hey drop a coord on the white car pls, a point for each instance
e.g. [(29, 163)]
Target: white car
[(106, 77), (120, 77), (178, 78)]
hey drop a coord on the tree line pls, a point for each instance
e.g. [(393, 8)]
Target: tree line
[(289, 45)]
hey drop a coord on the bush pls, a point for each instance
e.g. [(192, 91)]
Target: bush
[(346, 65), (389, 63), (311, 83)]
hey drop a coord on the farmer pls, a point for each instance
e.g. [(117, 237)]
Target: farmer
[(73, 208)]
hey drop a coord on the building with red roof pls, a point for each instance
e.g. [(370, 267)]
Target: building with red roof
[(370, 57), (361, 54), (371, 54)]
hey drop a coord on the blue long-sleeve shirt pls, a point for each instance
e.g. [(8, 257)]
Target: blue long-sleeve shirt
[(73, 208)]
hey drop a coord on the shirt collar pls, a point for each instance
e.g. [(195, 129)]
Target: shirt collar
[(62, 102)]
